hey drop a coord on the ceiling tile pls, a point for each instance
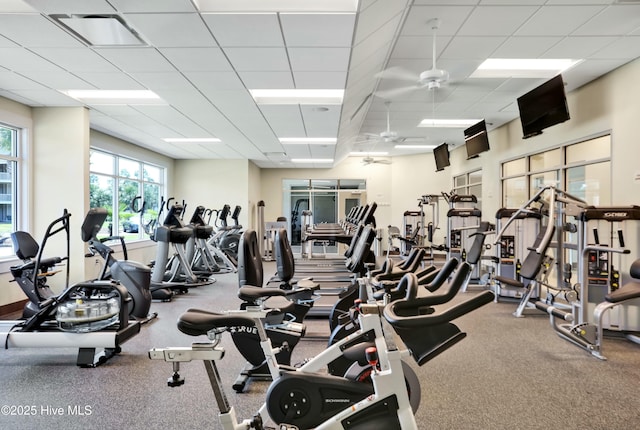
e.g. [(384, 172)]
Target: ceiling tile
[(136, 59), (320, 80), (245, 30), (19, 59), (163, 30), (267, 80), (619, 49), (59, 80), (14, 81), (451, 19), (162, 80), (467, 47), (319, 59), (525, 47), (614, 20), (496, 20), (20, 29), (557, 20), (579, 47), (153, 6), (258, 59), (110, 81), (320, 30), (49, 7), (76, 59), (197, 59), (215, 80)]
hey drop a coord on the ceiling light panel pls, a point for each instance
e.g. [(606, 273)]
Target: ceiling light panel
[(114, 97), (523, 67), (300, 96)]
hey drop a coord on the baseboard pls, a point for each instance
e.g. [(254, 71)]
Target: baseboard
[(12, 308)]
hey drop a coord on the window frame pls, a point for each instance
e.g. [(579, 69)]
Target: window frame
[(116, 178), (21, 210)]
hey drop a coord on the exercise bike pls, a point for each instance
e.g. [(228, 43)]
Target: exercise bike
[(305, 398), (92, 316)]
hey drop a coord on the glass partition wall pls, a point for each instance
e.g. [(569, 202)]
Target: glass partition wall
[(313, 201)]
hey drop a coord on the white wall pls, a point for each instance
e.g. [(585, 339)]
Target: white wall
[(212, 184)]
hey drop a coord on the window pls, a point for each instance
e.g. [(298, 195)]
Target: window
[(583, 169), (10, 162), (130, 190), (469, 184)]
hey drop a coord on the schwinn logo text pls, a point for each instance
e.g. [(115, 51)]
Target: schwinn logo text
[(337, 401)]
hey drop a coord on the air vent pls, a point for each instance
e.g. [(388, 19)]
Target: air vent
[(99, 30)]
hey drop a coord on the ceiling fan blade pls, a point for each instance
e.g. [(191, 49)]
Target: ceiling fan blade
[(396, 92), (397, 73)]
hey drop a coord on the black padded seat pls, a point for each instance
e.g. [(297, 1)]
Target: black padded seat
[(426, 330), (531, 265), (627, 291), (196, 322)]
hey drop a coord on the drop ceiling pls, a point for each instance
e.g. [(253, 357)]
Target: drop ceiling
[(202, 57)]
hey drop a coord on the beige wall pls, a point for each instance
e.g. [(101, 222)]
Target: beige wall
[(212, 184)]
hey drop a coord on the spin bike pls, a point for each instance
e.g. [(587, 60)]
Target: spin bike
[(91, 316), (304, 398)]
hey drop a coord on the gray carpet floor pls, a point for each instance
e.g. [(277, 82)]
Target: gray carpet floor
[(508, 373)]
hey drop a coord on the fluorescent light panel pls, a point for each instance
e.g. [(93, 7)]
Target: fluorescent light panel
[(523, 67), (303, 97), (248, 6), (191, 139), (312, 160), (111, 97), (308, 140), (448, 123)]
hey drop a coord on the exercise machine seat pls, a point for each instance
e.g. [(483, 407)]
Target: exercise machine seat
[(628, 291)]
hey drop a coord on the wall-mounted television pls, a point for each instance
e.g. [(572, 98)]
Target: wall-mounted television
[(441, 155), (543, 107), (476, 139)]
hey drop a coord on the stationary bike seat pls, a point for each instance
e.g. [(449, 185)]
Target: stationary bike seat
[(196, 322), (251, 293)]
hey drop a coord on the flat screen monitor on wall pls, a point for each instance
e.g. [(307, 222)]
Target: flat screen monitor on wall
[(476, 139), (441, 155), (543, 107)]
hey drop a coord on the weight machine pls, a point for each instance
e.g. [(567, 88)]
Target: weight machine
[(537, 265), (463, 219), (603, 296), (512, 247)]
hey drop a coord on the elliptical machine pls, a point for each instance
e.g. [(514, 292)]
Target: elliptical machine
[(92, 316), (202, 261), (136, 277), (174, 273)]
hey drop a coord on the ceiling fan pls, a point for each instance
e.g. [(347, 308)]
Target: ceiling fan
[(431, 79), (386, 136), (370, 160)]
